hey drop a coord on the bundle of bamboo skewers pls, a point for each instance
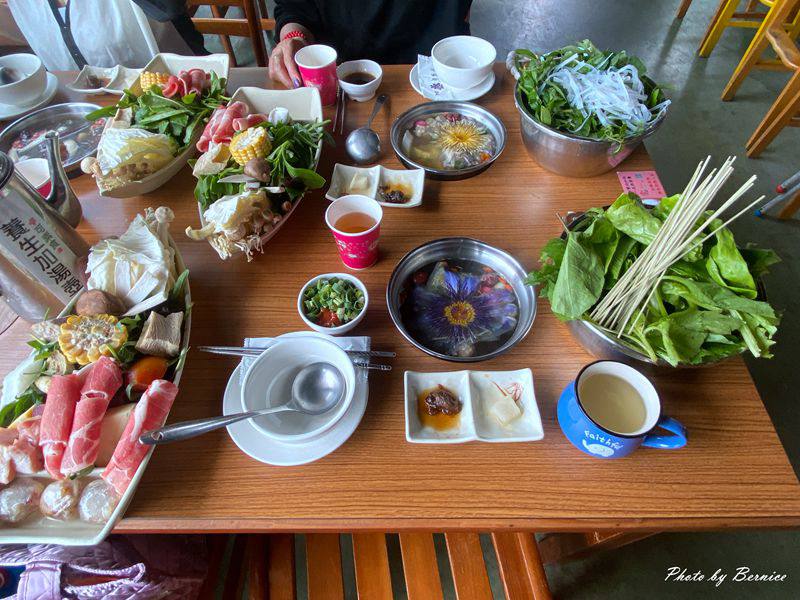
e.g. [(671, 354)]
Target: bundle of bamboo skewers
[(682, 230)]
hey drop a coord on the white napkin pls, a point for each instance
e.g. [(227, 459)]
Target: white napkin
[(432, 87), (345, 343)]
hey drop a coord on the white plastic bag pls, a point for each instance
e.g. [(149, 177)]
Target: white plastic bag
[(107, 32)]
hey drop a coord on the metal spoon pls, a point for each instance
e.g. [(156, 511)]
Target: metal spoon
[(316, 389), (363, 145)]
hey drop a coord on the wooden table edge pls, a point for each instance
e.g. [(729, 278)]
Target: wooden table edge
[(248, 525)]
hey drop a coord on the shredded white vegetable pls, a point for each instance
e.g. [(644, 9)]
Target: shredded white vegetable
[(615, 95)]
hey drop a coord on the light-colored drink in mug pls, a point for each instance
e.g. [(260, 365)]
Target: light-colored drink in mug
[(612, 403)]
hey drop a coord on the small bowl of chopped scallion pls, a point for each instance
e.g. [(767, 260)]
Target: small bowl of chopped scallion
[(333, 303)]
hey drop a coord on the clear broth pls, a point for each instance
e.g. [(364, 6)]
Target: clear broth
[(409, 313), (448, 141)]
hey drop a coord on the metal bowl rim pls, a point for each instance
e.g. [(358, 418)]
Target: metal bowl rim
[(461, 359), (632, 352), (67, 165), (448, 174), (577, 138)]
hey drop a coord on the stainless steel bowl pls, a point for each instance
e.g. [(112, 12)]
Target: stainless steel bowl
[(602, 345), (461, 248), (406, 120), (53, 117), (571, 155)]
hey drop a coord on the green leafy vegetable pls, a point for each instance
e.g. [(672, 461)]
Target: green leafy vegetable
[(548, 102), (23, 402), (706, 306), (208, 189), (291, 162), (177, 118)]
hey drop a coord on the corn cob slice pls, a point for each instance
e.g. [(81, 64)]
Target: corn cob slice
[(82, 339), (250, 143), (148, 79)]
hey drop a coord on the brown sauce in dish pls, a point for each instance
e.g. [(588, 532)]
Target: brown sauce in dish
[(395, 193), (439, 408), (358, 78)]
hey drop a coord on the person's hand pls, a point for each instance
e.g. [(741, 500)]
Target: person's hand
[(281, 62)]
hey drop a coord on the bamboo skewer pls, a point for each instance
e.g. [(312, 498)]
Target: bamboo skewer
[(626, 302)]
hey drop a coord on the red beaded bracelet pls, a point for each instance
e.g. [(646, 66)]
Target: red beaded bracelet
[(294, 34)]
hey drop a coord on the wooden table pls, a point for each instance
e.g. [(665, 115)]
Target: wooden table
[(733, 473)]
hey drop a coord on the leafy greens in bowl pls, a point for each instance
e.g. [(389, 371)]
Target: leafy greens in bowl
[(706, 308), (591, 94)]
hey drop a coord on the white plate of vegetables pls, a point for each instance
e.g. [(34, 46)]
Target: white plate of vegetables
[(333, 303)]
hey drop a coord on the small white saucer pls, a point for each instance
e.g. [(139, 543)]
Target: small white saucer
[(459, 95), (255, 444), (9, 111)]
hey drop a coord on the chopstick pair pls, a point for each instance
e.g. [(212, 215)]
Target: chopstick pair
[(341, 105), (360, 358)]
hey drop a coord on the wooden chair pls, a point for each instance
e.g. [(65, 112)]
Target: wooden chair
[(727, 16), (684, 6), (786, 109), (252, 26), (562, 547), (268, 567), (790, 208)]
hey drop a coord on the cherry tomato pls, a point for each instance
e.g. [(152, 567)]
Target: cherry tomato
[(145, 371), (328, 318)]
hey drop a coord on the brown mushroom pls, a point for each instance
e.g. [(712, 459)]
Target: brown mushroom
[(98, 302), (257, 168)]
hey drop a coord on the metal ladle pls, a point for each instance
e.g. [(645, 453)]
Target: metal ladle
[(316, 389), (363, 145)]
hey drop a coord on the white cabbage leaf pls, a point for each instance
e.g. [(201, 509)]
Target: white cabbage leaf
[(121, 146), (139, 266)]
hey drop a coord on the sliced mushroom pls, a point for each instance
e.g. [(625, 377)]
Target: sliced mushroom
[(46, 331), (57, 364), (161, 336)]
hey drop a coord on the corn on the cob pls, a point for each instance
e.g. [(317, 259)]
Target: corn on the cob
[(250, 143), (148, 79), (83, 339)]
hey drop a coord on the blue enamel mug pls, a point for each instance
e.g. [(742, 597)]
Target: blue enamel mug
[(594, 435)]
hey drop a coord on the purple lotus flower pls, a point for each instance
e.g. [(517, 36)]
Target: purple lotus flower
[(457, 315)]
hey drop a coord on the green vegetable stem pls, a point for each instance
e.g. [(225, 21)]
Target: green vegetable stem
[(706, 307)]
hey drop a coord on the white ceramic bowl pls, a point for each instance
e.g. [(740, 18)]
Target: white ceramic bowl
[(33, 80), (342, 328), (268, 382), (360, 92), (463, 61)]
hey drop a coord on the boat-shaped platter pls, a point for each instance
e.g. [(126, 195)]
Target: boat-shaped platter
[(171, 64), (303, 105), (39, 529)]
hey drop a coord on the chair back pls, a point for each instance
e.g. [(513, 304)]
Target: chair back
[(254, 23)]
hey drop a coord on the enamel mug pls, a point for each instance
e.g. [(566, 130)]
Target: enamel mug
[(595, 439)]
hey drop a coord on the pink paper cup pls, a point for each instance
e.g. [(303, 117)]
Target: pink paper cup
[(357, 250), (317, 65)]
